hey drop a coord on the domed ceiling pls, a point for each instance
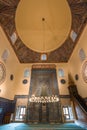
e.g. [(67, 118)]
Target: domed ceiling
[(43, 26), (36, 27)]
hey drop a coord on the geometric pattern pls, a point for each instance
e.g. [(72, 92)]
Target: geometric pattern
[(2, 73), (84, 71)]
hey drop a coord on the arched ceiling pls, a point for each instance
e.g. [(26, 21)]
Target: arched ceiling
[(60, 53)]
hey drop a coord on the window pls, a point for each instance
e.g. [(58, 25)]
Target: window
[(26, 73), (68, 114), (43, 57), (73, 35), (71, 113), (13, 38), (60, 73), (20, 113), (82, 54), (5, 55)]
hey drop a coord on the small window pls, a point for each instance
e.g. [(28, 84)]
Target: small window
[(13, 38), (43, 57), (67, 112), (20, 113), (71, 113), (73, 35), (82, 54), (60, 73), (26, 73), (5, 55)]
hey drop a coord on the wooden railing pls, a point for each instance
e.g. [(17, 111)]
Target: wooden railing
[(79, 106), (81, 114)]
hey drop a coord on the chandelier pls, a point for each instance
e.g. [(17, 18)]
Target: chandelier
[(44, 99)]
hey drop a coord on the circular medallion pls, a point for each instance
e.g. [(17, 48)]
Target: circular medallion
[(25, 81), (11, 77), (84, 71), (63, 81), (76, 77), (2, 73)]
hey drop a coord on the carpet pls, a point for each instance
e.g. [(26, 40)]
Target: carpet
[(23, 126)]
